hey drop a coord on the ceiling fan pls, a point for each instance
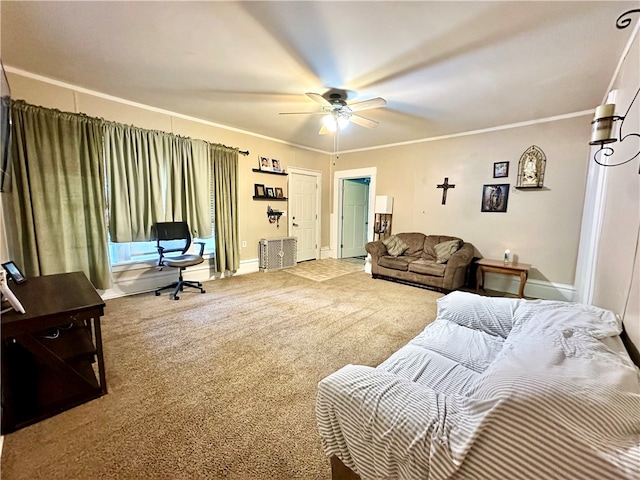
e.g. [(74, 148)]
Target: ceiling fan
[(337, 113)]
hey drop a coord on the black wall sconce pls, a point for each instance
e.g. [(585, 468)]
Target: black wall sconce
[(274, 216), (605, 118)]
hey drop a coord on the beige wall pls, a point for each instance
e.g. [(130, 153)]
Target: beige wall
[(540, 227), (254, 223)]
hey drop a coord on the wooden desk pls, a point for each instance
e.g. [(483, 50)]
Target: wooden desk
[(499, 266), (50, 353)]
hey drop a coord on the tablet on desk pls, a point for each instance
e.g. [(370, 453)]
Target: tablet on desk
[(14, 272)]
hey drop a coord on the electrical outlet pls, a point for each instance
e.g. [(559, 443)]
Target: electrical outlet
[(244, 244)]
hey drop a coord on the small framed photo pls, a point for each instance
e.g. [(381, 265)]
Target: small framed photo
[(13, 272), (265, 163), (270, 192), (275, 165), (279, 193), (258, 190), (495, 197), (500, 169)]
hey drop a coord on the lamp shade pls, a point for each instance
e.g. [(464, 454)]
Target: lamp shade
[(384, 204)]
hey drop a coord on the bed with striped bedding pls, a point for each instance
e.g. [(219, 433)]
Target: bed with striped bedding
[(494, 388)]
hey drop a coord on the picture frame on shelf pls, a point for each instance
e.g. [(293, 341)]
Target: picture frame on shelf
[(495, 197), (270, 192), (279, 193), (258, 190), (264, 163), (500, 169), (275, 165)]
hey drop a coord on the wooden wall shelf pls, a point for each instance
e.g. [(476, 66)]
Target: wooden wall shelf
[(275, 199), (271, 173)]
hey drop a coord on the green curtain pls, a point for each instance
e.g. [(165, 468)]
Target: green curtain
[(224, 192), (188, 185), (58, 194), (155, 177)]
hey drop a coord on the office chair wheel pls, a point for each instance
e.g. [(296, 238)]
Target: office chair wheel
[(157, 294), (176, 297), (202, 291)]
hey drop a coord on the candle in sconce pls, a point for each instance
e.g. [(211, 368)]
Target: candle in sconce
[(507, 256), (602, 124)]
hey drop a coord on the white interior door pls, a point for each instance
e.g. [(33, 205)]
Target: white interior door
[(303, 214), (355, 213)]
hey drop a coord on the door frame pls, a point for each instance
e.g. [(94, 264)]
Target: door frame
[(318, 175), (336, 224)]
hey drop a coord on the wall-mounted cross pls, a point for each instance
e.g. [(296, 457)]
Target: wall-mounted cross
[(445, 186)]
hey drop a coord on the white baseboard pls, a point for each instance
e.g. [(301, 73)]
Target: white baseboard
[(533, 288), (326, 252)]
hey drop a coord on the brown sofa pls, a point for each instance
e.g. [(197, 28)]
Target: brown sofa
[(418, 264)]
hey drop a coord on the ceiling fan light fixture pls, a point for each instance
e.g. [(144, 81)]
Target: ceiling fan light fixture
[(333, 122)]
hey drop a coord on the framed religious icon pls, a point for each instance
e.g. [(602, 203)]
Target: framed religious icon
[(494, 197), (531, 167), (500, 169)]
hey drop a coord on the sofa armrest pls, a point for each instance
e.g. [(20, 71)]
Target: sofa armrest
[(375, 421), (462, 257), (456, 270), (376, 249)]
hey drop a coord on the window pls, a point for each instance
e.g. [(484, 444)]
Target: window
[(147, 253)]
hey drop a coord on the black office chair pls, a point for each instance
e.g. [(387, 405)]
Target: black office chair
[(166, 232)]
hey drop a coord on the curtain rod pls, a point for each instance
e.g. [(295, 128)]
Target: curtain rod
[(245, 152)]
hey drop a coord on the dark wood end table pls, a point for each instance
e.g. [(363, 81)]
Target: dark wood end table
[(49, 352)]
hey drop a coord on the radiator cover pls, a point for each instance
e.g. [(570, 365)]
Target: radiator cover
[(278, 253)]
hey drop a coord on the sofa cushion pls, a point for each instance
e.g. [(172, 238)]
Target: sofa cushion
[(395, 263), (444, 250), (431, 241), (395, 246), (415, 240), (427, 267)]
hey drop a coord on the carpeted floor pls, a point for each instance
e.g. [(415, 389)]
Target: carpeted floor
[(222, 384)]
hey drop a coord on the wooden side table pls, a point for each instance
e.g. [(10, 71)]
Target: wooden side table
[(49, 353), (499, 266)]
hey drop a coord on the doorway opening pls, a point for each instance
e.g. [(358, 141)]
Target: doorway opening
[(352, 224), (354, 217)]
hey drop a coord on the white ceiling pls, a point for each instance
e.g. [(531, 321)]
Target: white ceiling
[(444, 67)]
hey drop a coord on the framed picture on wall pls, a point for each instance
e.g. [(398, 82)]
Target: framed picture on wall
[(279, 193), (270, 192), (258, 189), (494, 197), (275, 165), (265, 163), (500, 169)]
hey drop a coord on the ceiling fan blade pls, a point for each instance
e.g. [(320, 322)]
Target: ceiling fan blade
[(364, 122), (316, 97), (324, 130), (302, 113), (367, 104)]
